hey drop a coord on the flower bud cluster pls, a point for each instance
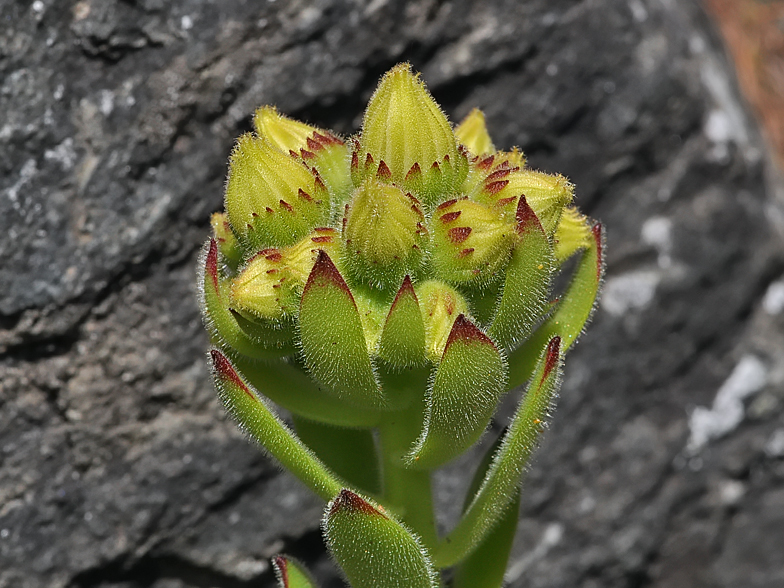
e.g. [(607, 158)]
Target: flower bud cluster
[(377, 250)]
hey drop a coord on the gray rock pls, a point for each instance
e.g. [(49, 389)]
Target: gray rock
[(117, 465)]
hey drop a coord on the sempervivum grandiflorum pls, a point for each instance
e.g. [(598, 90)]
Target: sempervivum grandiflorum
[(398, 281)]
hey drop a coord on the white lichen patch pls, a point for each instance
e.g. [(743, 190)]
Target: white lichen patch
[(773, 301), (706, 424), (630, 291)]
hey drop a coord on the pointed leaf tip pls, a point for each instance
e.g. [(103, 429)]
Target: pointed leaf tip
[(464, 330), (466, 387), (291, 573), (226, 372), (325, 271), (281, 570), (349, 501)]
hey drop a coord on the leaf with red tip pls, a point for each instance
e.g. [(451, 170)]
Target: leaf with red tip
[(504, 476), (264, 427), (402, 341), (225, 328), (332, 338), (372, 548), (291, 573), (571, 313), (527, 283), (466, 388)]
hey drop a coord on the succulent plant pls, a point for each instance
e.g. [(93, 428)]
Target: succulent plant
[(386, 291)]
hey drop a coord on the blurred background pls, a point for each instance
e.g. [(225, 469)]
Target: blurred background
[(664, 466)]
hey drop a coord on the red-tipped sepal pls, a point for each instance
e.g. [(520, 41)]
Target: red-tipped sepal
[(373, 549), (468, 384), (332, 337), (402, 341), (291, 573), (527, 284)]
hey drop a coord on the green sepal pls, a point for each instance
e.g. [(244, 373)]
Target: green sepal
[(372, 548), (468, 383), (288, 386), (264, 427), (291, 573), (527, 284), (503, 478), (332, 337), (571, 314), (402, 341), (485, 566), (256, 341), (350, 453)]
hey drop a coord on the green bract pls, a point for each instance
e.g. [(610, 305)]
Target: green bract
[(387, 290)]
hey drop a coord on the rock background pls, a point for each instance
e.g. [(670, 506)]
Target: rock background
[(664, 466)]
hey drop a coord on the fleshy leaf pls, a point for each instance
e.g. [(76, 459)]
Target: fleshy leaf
[(291, 573), (472, 133), (466, 388), (265, 342), (373, 549), (403, 336), (570, 315), (485, 566), (526, 288), (333, 341), (503, 478), (264, 427)]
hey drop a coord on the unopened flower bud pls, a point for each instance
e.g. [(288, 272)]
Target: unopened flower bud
[(547, 194), (471, 242), (441, 305), (316, 147), (271, 198), (264, 288), (472, 133), (384, 234), (269, 285), (406, 130)]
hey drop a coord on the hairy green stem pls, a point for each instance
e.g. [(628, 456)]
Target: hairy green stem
[(407, 491)]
